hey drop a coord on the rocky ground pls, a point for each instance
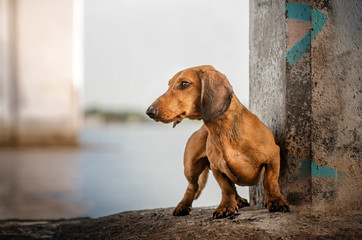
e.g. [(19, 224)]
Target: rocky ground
[(249, 223)]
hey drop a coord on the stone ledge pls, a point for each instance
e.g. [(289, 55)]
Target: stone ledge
[(249, 223)]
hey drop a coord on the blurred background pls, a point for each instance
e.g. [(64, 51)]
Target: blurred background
[(76, 77)]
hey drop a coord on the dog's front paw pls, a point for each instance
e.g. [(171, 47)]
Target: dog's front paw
[(242, 202), (224, 210), (277, 205), (181, 210)]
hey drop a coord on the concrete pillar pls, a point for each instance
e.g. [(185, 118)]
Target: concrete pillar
[(305, 82), (7, 71), (39, 71)]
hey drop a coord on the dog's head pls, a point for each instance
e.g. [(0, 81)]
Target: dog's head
[(195, 93)]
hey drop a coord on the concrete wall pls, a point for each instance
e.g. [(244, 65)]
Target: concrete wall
[(306, 88), (39, 93), (336, 103), (267, 71)]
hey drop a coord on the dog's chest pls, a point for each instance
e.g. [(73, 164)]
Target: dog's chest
[(233, 163)]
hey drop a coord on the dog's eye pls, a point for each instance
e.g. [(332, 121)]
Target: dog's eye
[(184, 85)]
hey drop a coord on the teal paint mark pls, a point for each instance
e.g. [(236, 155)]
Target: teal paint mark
[(306, 169), (298, 11), (302, 166), (326, 172), (296, 52), (321, 171), (304, 13), (318, 21)]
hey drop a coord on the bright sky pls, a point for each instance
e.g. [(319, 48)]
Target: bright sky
[(133, 47)]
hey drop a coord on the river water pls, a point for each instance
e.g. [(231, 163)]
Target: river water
[(117, 168)]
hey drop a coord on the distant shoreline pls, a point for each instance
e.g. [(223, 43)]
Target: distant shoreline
[(103, 116)]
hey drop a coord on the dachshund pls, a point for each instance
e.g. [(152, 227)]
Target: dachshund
[(232, 142)]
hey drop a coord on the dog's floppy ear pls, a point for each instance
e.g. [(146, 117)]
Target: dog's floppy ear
[(216, 95)]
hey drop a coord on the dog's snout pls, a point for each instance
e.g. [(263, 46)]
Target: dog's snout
[(151, 112)]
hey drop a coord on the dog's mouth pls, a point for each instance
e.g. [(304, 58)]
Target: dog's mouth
[(176, 120), (179, 118)]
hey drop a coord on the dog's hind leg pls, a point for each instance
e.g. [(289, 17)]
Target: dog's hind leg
[(242, 202), (196, 167), (202, 181), (274, 201)]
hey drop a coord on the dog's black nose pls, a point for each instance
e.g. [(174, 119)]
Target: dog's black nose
[(151, 112)]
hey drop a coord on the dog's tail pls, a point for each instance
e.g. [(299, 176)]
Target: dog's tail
[(202, 181)]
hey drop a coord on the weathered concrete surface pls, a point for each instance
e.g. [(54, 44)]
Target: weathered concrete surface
[(296, 179), (250, 223), (305, 85), (283, 105), (336, 67), (267, 72)]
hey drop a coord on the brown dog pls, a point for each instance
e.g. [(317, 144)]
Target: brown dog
[(233, 142)]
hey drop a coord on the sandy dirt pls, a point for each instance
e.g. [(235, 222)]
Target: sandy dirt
[(249, 223)]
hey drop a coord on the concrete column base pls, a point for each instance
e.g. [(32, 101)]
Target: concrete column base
[(305, 81)]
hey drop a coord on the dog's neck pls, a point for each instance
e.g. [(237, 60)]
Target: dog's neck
[(229, 124)]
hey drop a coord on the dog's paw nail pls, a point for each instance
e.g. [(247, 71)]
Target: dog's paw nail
[(216, 215), (286, 209)]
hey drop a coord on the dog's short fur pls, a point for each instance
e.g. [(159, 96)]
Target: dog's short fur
[(233, 142)]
